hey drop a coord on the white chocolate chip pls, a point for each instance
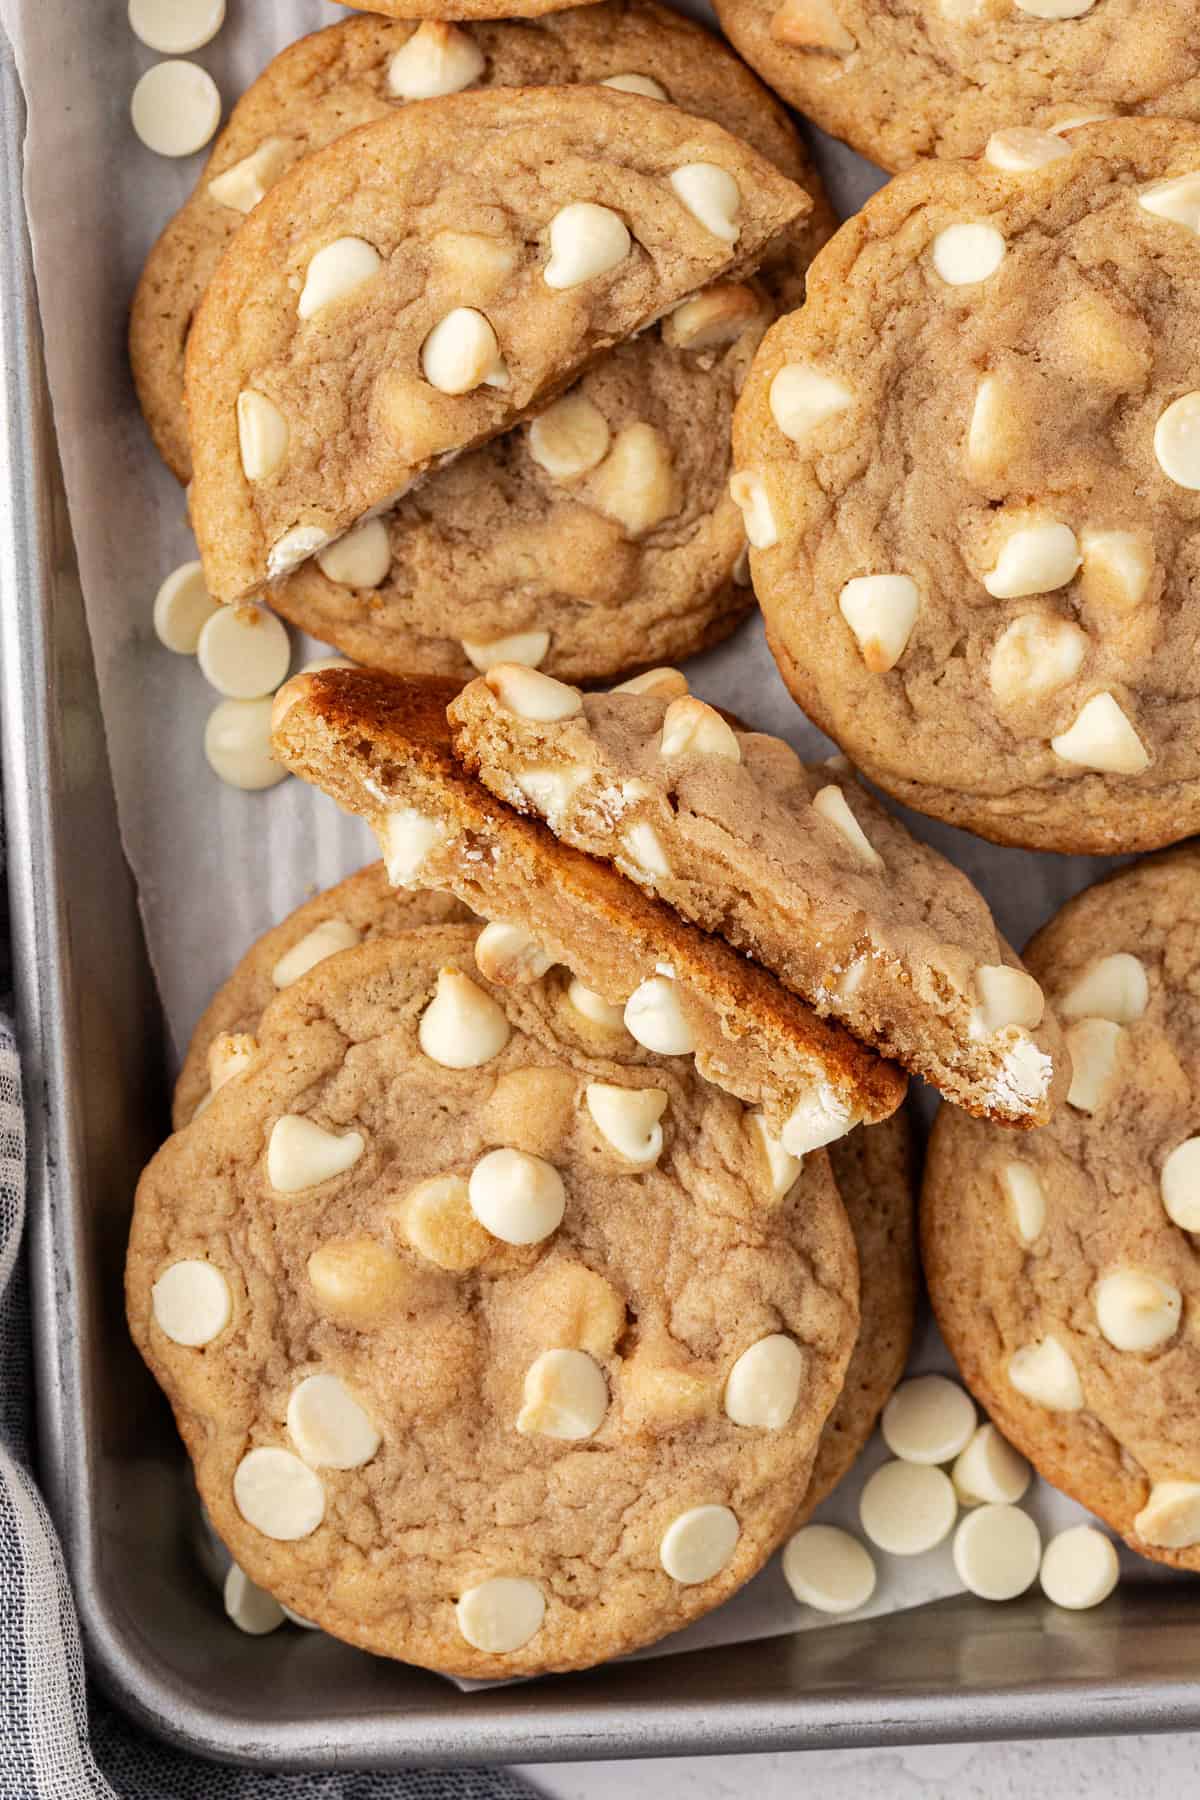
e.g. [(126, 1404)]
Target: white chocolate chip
[(636, 483), (967, 253), (1006, 997), (1102, 738), (1170, 1518), (1180, 1185), (1117, 568), (741, 569), (801, 398), (782, 1167), (230, 1054), (176, 27), (302, 1154), (817, 1119), (570, 438), (654, 1018), (472, 261), (1056, 9), (1034, 656), (565, 1396), (811, 25), (828, 1569), (881, 611), (928, 1420), (325, 939), (437, 59), (191, 1302), (989, 1471), (664, 684), (642, 855), (533, 696), (1079, 1568), (237, 745), (763, 1385), (335, 271), (462, 353), (749, 494), (509, 955), (501, 1615), (244, 652), (595, 1008), (586, 240), (698, 1544), (907, 1508), (1136, 1311), (1177, 441), (690, 728), (1034, 559), (628, 1119), (406, 837), (1072, 121), (1093, 1045), (294, 548), (328, 1426), (175, 108), (519, 1198), (1044, 1373), (550, 791), (712, 197), (525, 647), (1022, 1188), (243, 184), (637, 84), (1020, 149), (834, 808), (1117, 988), (278, 1494), (713, 319), (997, 431), (1177, 200), (358, 1282), (250, 1608), (997, 1552), (182, 608), (435, 1218), (262, 435), (462, 1027), (361, 559)]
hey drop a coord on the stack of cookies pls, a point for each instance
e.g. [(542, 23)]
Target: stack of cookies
[(534, 1249)]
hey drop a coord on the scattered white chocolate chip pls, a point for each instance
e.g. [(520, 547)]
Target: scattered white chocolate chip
[(437, 59), (1056, 9), (637, 84), (244, 652), (1072, 121), (361, 559), (636, 483), (628, 1119), (713, 319), (278, 1494), (1177, 441), (182, 608), (327, 662), (1117, 568), (294, 1618), (509, 955), (801, 398), (243, 184), (357, 1281), (550, 791), (462, 353), (881, 611), (532, 695), (1022, 1188), (1102, 738), (294, 548), (1180, 1185), (237, 745), (1137, 1311), (782, 1167), (642, 855), (1079, 1568), (175, 108), (928, 1420), (1177, 200), (1035, 655), (328, 1426), (1093, 1046), (997, 1552), (997, 431), (519, 1198), (406, 837), (501, 1615), (565, 1396), (828, 1569), (1034, 559), (1044, 1373), (191, 1302), (462, 1027), (1117, 988), (302, 1154), (472, 261), (1006, 997), (834, 808), (811, 25), (570, 438), (525, 647), (325, 939), (1170, 1518), (712, 197), (741, 569), (586, 240), (594, 1007), (176, 27), (967, 253), (749, 494), (763, 1385), (435, 1218), (335, 271), (818, 1118), (691, 728), (262, 435), (988, 1471), (1020, 149), (230, 1054), (250, 1608), (654, 1018), (664, 684), (699, 1544), (907, 1508)]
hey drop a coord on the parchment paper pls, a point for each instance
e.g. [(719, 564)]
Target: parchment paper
[(216, 867)]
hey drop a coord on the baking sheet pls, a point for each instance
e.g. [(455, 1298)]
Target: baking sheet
[(216, 867)]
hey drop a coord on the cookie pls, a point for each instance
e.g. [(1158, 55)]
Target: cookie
[(341, 349), (363, 906), (364, 69), (902, 82), (1063, 1274), (380, 745), (970, 468), (875, 1172), (494, 1350), (799, 868)]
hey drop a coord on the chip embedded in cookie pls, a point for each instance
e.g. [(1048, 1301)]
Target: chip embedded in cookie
[(495, 1347), (799, 868), (993, 389), (340, 352), (1062, 1273)]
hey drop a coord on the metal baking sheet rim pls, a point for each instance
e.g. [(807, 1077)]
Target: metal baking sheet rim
[(1130, 1668)]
